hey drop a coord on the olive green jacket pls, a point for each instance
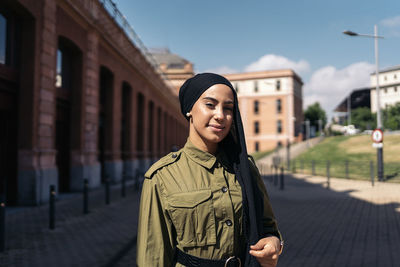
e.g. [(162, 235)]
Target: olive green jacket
[(192, 200)]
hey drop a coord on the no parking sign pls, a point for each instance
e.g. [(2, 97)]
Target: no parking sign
[(377, 138)]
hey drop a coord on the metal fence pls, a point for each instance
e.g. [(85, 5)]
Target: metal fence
[(121, 20), (361, 170)]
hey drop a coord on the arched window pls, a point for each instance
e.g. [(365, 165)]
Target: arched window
[(125, 119), (3, 39)]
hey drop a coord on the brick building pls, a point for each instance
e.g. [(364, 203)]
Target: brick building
[(271, 106), (79, 99)]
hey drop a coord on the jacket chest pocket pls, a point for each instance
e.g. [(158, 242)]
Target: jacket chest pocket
[(193, 216)]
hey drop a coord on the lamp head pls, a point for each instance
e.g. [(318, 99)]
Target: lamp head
[(350, 33)]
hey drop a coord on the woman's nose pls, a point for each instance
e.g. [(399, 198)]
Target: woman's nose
[(219, 113)]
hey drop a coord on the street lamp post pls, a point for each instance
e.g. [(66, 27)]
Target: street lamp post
[(378, 102), (349, 109)]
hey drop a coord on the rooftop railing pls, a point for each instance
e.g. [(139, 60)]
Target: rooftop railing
[(121, 20)]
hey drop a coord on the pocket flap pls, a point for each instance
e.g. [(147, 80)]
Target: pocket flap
[(189, 199)]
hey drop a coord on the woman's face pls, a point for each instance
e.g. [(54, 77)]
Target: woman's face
[(212, 115)]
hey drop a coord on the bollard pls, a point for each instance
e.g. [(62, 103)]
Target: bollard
[(85, 196), (107, 188), (347, 169), (276, 176), (328, 174), (313, 167), (371, 167), (123, 185), (52, 208), (294, 166), (282, 184), (301, 166), (271, 178), (262, 169), (2, 226)]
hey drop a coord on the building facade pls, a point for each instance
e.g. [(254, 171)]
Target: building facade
[(175, 68), (357, 98), (271, 106), (78, 99), (389, 88)]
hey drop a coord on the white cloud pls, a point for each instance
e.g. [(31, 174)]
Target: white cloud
[(391, 22), (393, 26), (222, 70), (329, 85), (275, 62)]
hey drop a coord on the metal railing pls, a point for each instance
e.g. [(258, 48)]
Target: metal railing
[(121, 20)]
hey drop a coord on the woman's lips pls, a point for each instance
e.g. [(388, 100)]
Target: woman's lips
[(216, 128)]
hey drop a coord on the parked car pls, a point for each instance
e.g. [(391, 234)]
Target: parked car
[(350, 130)]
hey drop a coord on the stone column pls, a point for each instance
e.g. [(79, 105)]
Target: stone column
[(155, 134), (165, 131), (84, 159), (146, 135), (37, 164)]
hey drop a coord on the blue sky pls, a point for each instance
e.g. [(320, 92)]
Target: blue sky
[(305, 35)]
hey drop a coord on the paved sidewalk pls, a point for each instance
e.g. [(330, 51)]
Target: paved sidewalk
[(96, 239), (350, 224)]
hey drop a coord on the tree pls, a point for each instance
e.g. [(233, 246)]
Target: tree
[(391, 117), (363, 119), (313, 113)]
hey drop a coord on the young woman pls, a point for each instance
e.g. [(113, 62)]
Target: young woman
[(206, 205)]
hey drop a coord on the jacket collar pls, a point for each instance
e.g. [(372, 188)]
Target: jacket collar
[(199, 156)]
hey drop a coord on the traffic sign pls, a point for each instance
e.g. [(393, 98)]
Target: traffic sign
[(377, 136)]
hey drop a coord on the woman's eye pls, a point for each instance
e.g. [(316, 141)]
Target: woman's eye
[(229, 108), (209, 104)]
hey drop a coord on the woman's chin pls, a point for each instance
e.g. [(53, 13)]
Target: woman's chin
[(216, 138)]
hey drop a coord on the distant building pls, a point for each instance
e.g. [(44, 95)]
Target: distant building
[(389, 84), (176, 69), (356, 99), (271, 106)]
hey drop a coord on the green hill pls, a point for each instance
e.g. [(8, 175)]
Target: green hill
[(354, 151)]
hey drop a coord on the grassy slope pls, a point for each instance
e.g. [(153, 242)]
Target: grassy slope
[(261, 154), (358, 151)]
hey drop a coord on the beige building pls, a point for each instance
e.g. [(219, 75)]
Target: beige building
[(175, 68), (271, 106), (389, 84)]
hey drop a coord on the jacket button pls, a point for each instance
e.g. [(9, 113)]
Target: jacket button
[(173, 155), (228, 222), (224, 189)]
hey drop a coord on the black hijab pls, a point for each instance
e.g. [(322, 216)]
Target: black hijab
[(234, 146)]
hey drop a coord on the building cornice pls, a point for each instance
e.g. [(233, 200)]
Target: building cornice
[(263, 75)]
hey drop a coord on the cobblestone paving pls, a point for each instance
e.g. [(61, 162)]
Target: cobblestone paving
[(350, 224), (343, 226), (78, 240)]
